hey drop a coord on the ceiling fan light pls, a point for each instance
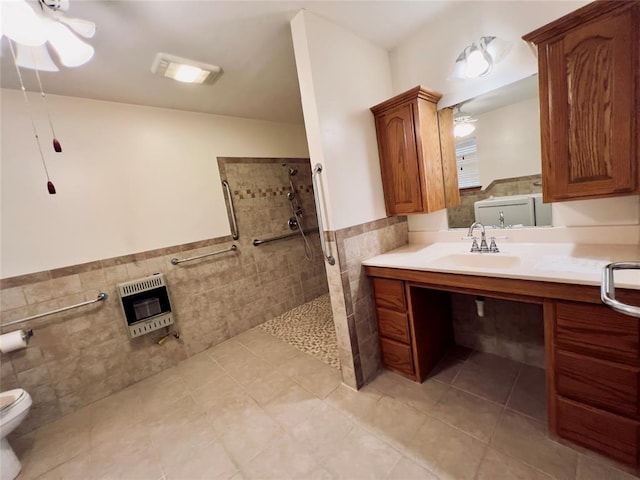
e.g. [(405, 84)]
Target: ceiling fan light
[(72, 51), (462, 129), (35, 58), (21, 24)]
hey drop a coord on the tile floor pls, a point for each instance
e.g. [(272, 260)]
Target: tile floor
[(255, 407)]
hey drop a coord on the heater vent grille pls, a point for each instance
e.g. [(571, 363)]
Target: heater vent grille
[(147, 326), (144, 284)]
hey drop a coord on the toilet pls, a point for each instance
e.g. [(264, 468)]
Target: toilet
[(14, 407)]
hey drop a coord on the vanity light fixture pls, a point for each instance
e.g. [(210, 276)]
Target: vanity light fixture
[(478, 59), (184, 70)]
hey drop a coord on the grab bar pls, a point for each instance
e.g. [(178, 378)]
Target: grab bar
[(101, 297), (176, 261), (316, 171), (257, 243), (608, 288), (232, 212)]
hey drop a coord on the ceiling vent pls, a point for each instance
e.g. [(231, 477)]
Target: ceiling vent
[(184, 70)]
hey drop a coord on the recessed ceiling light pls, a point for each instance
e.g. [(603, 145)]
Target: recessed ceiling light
[(184, 70)]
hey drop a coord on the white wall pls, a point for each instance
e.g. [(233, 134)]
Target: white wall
[(341, 76), (428, 56), (129, 179), (508, 141)]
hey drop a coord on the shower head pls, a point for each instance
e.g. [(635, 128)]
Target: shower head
[(292, 171)]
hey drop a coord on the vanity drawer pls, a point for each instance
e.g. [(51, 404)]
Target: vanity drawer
[(394, 325), (615, 436), (397, 356), (389, 294), (613, 387), (597, 331)]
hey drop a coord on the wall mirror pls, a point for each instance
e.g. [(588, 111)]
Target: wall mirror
[(498, 157)]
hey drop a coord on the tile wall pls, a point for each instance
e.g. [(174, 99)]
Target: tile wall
[(463, 215), (79, 356), (509, 329), (352, 296)]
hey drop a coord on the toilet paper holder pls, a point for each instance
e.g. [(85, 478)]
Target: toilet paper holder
[(27, 334), (16, 340)]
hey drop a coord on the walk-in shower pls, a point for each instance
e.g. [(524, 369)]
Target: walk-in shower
[(295, 222)]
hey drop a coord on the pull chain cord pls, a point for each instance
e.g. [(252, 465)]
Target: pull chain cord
[(56, 143), (50, 187)]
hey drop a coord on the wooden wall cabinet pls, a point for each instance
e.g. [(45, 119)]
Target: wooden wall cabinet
[(589, 67), (417, 153)]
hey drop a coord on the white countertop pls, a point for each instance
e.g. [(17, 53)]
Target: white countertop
[(553, 262)]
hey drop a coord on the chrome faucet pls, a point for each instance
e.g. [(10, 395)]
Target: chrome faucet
[(501, 219), (483, 242)]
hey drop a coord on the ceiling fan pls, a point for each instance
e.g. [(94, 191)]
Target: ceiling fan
[(463, 124), (33, 24), (29, 26)]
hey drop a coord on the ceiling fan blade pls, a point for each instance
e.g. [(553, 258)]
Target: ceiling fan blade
[(35, 58), (85, 28)]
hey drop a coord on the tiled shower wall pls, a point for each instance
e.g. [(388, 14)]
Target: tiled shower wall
[(259, 187), (352, 296), (79, 356)]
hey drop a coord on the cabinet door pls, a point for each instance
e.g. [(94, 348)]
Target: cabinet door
[(589, 109), (399, 161)]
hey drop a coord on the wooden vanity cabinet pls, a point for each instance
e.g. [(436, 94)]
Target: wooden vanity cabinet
[(417, 153), (592, 352), (589, 67), (414, 326), (594, 382), (393, 326)]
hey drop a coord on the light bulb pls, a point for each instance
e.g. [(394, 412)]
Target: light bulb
[(72, 51), (477, 63), (187, 73), (21, 24), (462, 129)]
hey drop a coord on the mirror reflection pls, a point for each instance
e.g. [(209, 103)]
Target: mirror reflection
[(499, 161)]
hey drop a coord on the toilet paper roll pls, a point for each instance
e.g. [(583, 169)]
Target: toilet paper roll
[(12, 341)]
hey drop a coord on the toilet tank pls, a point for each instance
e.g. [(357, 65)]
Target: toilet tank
[(517, 210)]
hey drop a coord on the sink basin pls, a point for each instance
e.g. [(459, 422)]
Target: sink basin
[(479, 260)]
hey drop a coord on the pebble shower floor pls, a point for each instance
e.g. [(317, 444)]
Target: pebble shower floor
[(308, 327)]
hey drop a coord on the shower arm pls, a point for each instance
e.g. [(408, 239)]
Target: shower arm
[(316, 194)]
